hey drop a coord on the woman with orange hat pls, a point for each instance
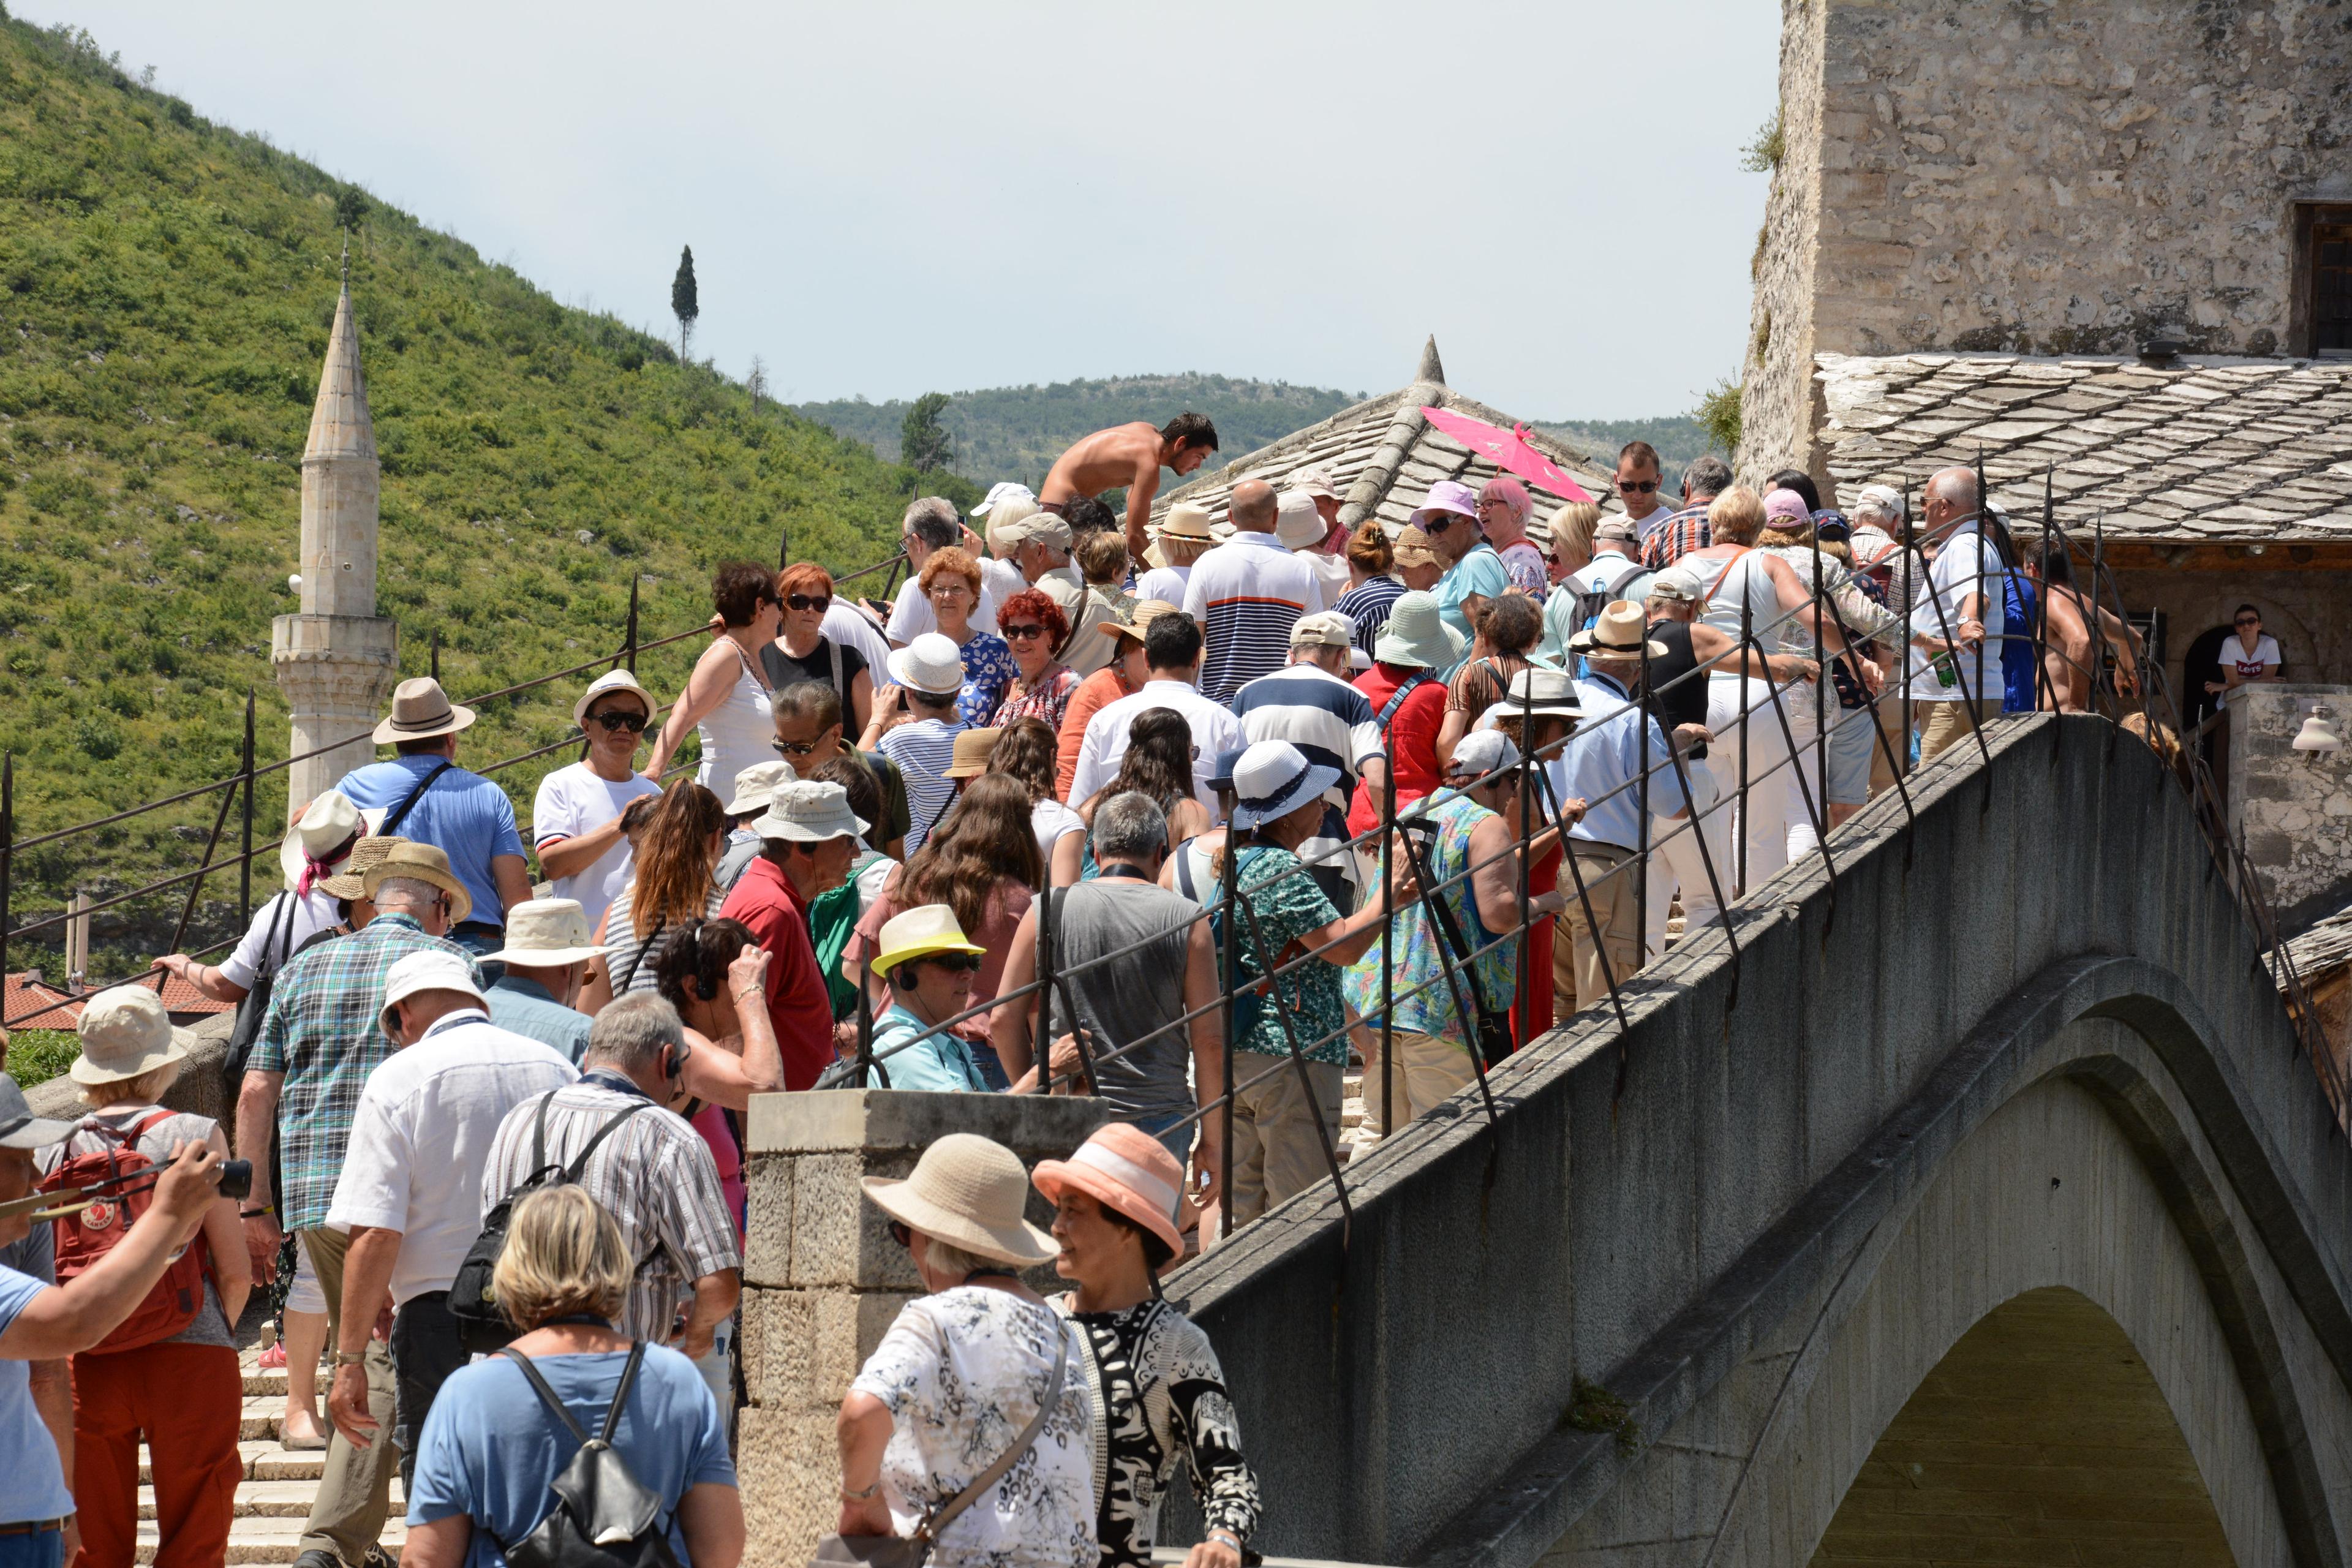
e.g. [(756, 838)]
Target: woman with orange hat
[(1152, 1376)]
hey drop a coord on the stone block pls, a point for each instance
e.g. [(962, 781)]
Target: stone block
[(894, 1119), (837, 1237), (802, 1348), (790, 1473), (768, 1238)]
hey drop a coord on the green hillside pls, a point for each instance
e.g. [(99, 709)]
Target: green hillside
[(1016, 432), (1679, 438), (168, 288)]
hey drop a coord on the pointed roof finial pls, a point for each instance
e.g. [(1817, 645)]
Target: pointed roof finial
[(1432, 369), (340, 424), (347, 259)]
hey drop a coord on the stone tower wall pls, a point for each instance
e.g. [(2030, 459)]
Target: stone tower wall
[(1776, 414)]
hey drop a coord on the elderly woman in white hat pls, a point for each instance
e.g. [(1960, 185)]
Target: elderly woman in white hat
[(179, 1390), (1154, 1377), (976, 1366), (1183, 537), (314, 849)]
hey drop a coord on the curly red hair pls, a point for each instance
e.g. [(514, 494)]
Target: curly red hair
[(1038, 606)]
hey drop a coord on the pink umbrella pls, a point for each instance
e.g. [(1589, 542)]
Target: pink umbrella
[(1509, 450)]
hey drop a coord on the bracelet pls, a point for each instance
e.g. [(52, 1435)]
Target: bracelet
[(750, 991), (256, 1214), (1228, 1537), (350, 1358), (848, 1496)]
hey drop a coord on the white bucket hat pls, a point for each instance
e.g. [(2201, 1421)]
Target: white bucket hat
[(322, 840), (1416, 635), (1296, 522), (932, 664), (808, 811), (757, 785), (124, 1032), (608, 683), (428, 969), (969, 1193), (1273, 779), (546, 934)]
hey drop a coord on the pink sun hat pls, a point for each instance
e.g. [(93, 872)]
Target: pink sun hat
[(1127, 1170)]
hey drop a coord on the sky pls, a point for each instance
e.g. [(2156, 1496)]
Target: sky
[(890, 198)]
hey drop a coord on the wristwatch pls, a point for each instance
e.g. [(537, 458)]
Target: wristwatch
[(350, 1358), (848, 1496)]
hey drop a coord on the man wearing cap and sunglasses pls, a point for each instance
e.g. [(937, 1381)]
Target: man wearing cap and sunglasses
[(577, 816), (928, 964)]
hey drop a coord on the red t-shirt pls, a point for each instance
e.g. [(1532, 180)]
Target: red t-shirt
[(798, 1006), (1411, 736)]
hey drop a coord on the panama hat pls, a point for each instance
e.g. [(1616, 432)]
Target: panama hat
[(1186, 519), (421, 709), (809, 811), (1416, 635), (546, 934), (19, 1128), (1617, 632), (427, 969), (756, 785), (605, 686), (316, 847), (124, 1032), (1451, 496), (1316, 480), (1413, 549), (1273, 779), (1140, 618), (932, 664), (1535, 691), (350, 882), (423, 863), (972, 749), (969, 1193), (1128, 1171), (1297, 524), (918, 933)]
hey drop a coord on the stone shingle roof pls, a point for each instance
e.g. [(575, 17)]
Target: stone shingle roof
[(2214, 450), (1383, 457), (2320, 952)]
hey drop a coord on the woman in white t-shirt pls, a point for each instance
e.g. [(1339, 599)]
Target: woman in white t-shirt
[(1025, 751), (2253, 655), (576, 818)]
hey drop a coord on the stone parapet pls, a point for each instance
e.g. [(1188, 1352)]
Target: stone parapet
[(2292, 809), (823, 1281)]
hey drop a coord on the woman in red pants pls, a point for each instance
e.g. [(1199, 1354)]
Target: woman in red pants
[(182, 1392)]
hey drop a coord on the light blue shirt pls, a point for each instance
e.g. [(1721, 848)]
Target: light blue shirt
[(1477, 576), (941, 1064), (1606, 751), (525, 1007), (464, 815), (32, 1482)]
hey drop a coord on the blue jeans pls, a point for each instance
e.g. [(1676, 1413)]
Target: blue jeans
[(1178, 1142), (992, 1071), (46, 1550)]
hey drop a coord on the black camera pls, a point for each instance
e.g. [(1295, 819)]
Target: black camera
[(237, 1178)]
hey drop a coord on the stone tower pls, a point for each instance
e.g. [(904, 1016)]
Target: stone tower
[(337, 659)]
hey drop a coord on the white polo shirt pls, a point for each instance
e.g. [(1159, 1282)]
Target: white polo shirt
[(1215, 731)]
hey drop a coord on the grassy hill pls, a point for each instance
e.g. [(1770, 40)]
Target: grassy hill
[(1016, 432), (1679, 438), (166, 286)]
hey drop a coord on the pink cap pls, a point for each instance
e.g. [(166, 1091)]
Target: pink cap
[(1786, 507)]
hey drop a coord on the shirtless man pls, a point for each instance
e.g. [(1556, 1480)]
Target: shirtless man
[(2073, 649), (1129, 455)]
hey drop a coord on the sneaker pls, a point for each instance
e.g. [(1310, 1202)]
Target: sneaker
[(315, 1558), (274, 1357)]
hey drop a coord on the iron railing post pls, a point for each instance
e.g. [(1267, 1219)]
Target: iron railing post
[(1642, 805), (244, 849), (8, 846), (1821, 684), (1388, 955), (1909, 553), (1045, 908), (1229, 973), (1524, 1018), (629, 642), (866, 1066), (1740, 815), (784, 547), (436, 654)]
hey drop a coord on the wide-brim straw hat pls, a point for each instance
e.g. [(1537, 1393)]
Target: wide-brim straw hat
[(1297, 524), (756, 786), (1186, 519), (1538, 691), (1128, 1171), (330, 829), (1416, 636), (350, 882), (973, 750), (969, 1193), (124, 1032), (546, 934), (1619, 631), (810, 811), (420, 710), (918, 933), (1140, 618), (421, 863), (605, 686), (1411, 540)]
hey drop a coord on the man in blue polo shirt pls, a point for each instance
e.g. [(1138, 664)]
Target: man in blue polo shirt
[(429, 799)]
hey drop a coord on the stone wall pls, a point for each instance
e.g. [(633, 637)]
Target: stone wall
[(1776, 410), (2294, 808)]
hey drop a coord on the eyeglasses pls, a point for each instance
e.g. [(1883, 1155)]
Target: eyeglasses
[(1496, 501), (810, 602), (620, 719), (1022, 633), (797, 748), (900, 1234), (1637, 487), (955, 963), (950, 589)]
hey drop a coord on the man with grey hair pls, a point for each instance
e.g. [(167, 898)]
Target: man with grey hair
[(648, 1168), (1040, 543), (1955, 628), (932, 523), (1877, 549), (1132, 1007), (1667, 541)]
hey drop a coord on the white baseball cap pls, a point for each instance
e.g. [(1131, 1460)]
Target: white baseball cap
[(1002, 490)]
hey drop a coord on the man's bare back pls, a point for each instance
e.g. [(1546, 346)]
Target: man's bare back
[(1129, 455)]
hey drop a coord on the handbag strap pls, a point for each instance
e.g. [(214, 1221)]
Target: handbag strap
[(400, 813), (637, 959), (928, 1531), (1450, 935)]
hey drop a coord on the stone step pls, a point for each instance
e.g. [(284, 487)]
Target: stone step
[(264, 1461), (267, 1540), (263, 1414), (272, 1499)]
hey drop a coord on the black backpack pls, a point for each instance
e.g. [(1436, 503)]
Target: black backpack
[(604, 1516), (1591, 602), (482, 1324), (244, 1029)]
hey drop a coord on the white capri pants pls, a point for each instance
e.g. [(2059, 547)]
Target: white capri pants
[(1772, 798), (305, 1296)]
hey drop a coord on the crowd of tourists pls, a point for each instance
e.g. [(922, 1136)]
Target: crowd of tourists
[(1079, 802)]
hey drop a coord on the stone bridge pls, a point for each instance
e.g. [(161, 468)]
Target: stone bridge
[(1983, 1210)]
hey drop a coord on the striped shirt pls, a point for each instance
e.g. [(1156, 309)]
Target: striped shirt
[(1367, 605), (321, 1032), (655, 1175), (1676, 537), (1332, 724), (923, 750), (1247, 593)]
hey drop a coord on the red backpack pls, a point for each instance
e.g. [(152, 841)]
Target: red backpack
[(83, 1238)]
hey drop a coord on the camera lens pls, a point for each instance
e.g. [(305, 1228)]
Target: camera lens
[(235, 1178)]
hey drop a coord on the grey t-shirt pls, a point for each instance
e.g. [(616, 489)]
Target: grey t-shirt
[(211, 1325), (1127, 998)]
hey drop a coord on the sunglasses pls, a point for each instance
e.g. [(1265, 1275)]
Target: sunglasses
[(797, 748), (620, 719), (811, 602), (1637, 487), (1022, 633), (953, 962), (1437, 525), (2249, 621)]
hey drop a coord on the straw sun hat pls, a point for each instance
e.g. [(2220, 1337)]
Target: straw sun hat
[(969, 1193), (1126, 1169)]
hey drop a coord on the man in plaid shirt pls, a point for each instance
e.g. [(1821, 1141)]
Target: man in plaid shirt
[(319, 1041), (1663, 544)]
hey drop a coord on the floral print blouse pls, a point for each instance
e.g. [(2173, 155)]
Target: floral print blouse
[(961, 1373), (1156, 1390), (989, 673), (1048, 699)]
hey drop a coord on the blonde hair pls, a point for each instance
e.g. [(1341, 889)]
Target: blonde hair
[(563, 1255), (1572, 526), (1102, 556), (1735, 517), (148, 1089), (1178, 551)]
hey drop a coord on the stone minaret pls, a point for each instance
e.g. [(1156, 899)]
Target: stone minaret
[(336, 660)]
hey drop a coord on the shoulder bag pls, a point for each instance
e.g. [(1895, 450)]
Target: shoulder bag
[(400, 813), (913, 1550), (254, 1005)]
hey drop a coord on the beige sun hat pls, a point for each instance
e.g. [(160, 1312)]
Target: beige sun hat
[(1411, 540), (421, 863), (350, 882), (973, 750), (1316, 480), (426, 969), (969, 1193), (1186, 519), (605, 685), (1297, 524), (124, 1032), (757, 785), (324, 838), (421, 709), (1141, 617), (546, 934), (1617, 632), (809, 811)]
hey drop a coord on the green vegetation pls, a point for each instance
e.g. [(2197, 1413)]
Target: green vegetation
[(1765, 150), (36, 1056), (924, 444), (1718, 415), (1016, 432), (1679, 438), (166, 285)]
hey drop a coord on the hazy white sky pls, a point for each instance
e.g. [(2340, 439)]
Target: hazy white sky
[(891, 198)]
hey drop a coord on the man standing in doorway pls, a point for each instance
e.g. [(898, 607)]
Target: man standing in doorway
[(1129, 455)]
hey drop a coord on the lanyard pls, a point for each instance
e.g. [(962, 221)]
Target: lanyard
[(451, 1020), (605, 1077)]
